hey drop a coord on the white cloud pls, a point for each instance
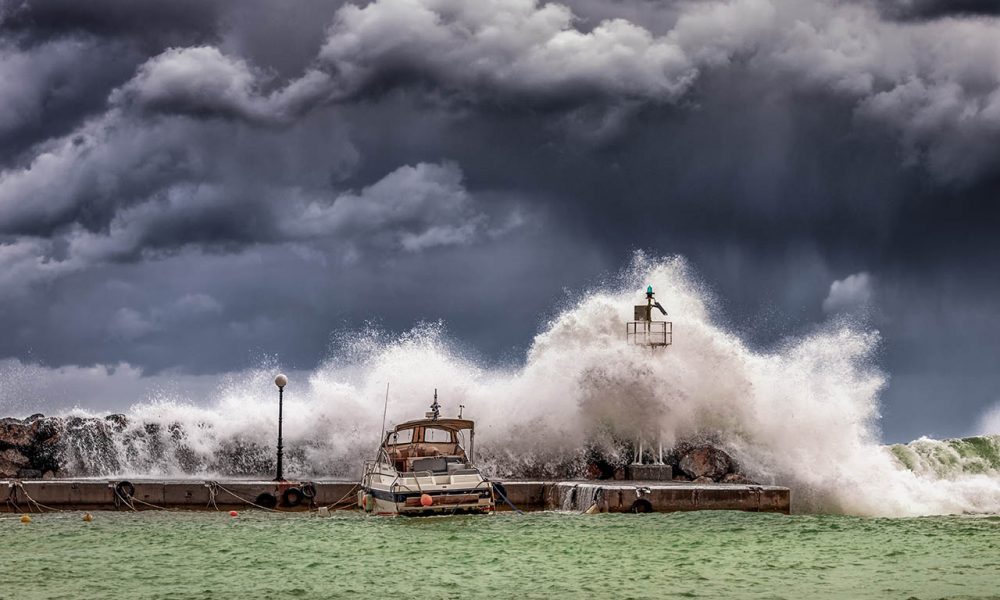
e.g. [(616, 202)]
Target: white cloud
[(850, 294), (197, 80)]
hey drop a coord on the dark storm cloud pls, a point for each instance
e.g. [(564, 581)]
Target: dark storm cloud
[(188, 186), (509, 53), (47, 89), (930, 9), (152, 23)]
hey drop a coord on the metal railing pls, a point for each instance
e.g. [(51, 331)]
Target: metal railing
[(650, 333)]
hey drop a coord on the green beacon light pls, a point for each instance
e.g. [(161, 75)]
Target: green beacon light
[(649, 289)]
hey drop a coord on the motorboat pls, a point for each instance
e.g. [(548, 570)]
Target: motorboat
[(422, 468)]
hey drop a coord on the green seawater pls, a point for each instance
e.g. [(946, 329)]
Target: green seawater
[(537, 555)]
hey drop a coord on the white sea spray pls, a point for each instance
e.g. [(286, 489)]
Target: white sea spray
[(803, 414)]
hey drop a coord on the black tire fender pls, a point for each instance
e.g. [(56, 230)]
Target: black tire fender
[(125, 489), (266, 500), (292, 497), (308, 490)]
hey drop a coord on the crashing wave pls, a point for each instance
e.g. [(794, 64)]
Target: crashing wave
[(803, 414)]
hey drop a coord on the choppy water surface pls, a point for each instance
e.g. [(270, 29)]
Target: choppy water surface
[(540, 555)]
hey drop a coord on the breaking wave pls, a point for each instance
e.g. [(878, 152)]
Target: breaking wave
[(802, 415)]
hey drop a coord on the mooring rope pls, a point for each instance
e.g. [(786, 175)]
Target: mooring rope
[(238, 497), (134, 499), (213, 490), (120, 499), (31, 500), (12, 495), (500, 491), (349, 492)]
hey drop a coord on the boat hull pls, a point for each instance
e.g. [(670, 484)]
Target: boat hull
[(390, 502)]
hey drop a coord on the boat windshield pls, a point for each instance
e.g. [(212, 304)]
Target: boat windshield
[(426, 446), (432, 434)]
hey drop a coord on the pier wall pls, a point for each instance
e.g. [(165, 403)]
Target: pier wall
[(595, 496)]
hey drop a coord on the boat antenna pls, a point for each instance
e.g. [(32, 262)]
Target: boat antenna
[(461, 407), (385, 408), (435, 411)]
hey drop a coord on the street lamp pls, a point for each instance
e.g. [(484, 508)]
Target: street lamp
[(281, 381)]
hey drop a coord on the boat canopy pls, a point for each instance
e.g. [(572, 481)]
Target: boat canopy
[(446, 424), (420, 434)]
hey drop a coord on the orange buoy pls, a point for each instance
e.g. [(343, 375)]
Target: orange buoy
[(25, 519), (426, 500), (88, 517), (233, 513)]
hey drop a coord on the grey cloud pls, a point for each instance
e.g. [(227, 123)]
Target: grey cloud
[(930, 9), (50, 88), (193, 81), (130, 324), (850, 294), (512, 53), (151, 22), (413, 208), (504, 50), (86, 175)]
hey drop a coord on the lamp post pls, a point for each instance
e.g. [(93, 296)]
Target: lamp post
[(281, 381)]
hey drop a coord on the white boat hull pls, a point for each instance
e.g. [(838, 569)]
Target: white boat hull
[(426, 495)]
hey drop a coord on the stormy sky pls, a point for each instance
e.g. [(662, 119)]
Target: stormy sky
[(190, 187)]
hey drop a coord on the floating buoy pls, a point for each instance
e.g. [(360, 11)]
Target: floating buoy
[(25, 519), (88, 517), (233, 513), (426, 500)]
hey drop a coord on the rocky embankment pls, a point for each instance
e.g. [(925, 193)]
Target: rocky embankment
[(41, 447), (75, 446), (693, 462), (29, 448)]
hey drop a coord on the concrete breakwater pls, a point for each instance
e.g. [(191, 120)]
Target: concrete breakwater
[(599, 496)]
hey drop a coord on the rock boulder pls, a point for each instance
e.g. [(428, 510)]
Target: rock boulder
[(737, 478), (11, 461), (14, 433), (706, 461)]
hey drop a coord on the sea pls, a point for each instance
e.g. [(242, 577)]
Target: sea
[(212, 555)]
